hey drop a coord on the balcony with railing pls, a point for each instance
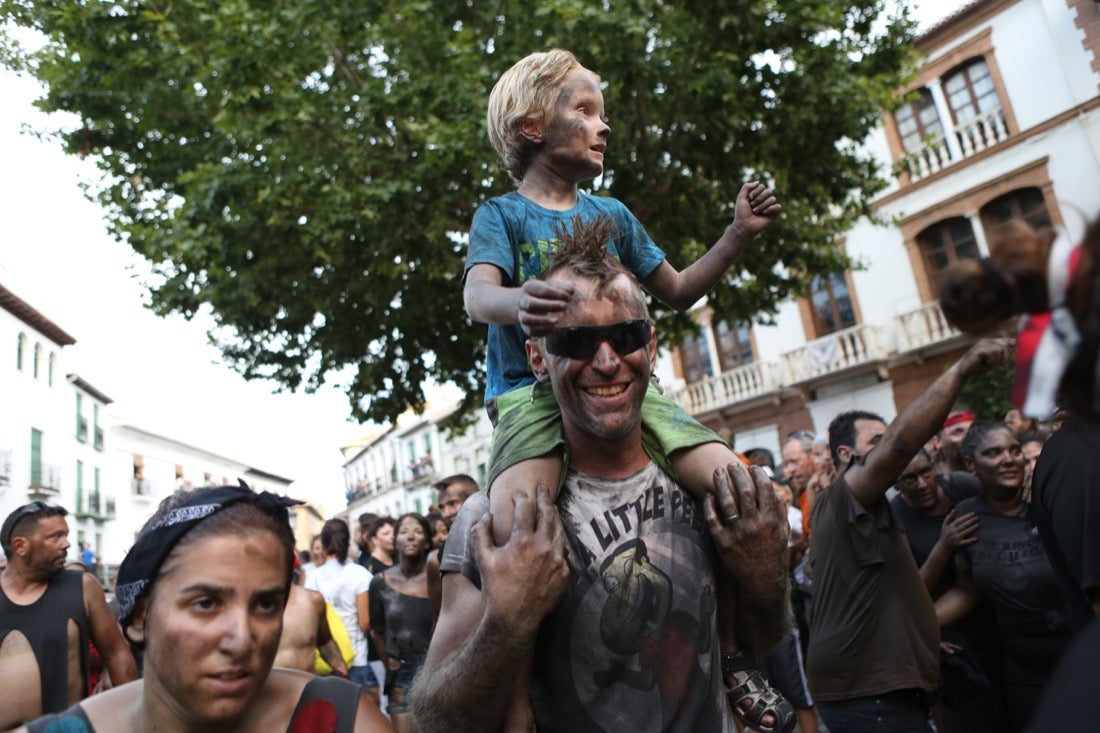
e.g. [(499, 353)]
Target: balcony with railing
[(832, 354), (968, 139), (984, 131), (924, 327), (45, 481), (5, 467), (741, 384)]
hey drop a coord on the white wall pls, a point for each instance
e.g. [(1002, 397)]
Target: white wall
[(26, 403)]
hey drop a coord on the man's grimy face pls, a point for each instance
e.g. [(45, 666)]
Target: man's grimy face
[(600, 397)]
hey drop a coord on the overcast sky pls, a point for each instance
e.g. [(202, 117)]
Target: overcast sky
[(162, 373)]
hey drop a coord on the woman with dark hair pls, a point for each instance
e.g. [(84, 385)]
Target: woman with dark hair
[(380, 534), (401, 614), (203, 591), (344, 585), (440, 529), (1008, 568)]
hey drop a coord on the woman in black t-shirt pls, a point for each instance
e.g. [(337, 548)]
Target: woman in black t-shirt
[(401, 616), (1009, 568)]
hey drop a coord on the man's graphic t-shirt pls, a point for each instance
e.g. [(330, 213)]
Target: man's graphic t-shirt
[(632, 644)]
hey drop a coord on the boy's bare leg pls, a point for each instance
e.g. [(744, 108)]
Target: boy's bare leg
[(524, 477), (695, 468), (521, 715)]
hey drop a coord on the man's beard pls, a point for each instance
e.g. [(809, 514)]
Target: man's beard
[(44, 570)]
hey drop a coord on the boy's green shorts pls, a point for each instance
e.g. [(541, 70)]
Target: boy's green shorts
[(528, 425)]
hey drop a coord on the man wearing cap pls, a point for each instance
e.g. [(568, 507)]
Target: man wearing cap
[(47, 617), (948, 442)]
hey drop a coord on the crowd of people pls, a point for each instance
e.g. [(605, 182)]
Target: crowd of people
[(217, 623), (626, 568)]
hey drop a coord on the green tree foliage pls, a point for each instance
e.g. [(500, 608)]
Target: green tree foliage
[(307, 170), (989, 396)]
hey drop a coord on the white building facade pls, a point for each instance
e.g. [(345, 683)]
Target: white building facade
[(59, 445), (395, 471), (38, 450), (1005, 123), (146, 467)]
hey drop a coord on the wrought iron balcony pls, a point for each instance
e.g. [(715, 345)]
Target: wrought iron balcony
[(45, 482), (5, 467)]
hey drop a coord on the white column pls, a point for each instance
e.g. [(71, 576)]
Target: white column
[(712, 347), (944, 112), (979, 233)]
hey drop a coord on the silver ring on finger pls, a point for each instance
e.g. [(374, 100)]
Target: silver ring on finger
[(731, 517)]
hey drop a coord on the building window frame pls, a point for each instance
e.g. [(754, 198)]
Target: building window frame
[(933, 71), (968, 203), (817, 326)]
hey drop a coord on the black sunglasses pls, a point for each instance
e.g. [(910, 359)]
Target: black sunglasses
[(17, 516), (581, 342)]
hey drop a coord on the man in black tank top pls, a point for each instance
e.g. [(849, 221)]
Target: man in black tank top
[(47, 617)]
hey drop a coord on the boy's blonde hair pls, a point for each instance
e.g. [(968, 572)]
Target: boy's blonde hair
[(527, 91)]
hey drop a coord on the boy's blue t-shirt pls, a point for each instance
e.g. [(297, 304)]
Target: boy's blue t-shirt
[(517, 235)]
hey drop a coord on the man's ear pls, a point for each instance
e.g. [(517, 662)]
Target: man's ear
[(844, 453), (536, 357), (20, 545), (531, 130)]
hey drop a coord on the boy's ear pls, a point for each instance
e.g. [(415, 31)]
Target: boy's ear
[(531, 129)]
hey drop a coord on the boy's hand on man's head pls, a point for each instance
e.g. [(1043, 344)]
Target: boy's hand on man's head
[(540, 305), (756, 208)]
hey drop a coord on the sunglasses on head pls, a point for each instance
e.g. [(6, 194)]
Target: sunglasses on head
[(18, 515), (582, 342)]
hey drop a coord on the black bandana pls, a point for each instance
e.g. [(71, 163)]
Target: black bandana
[(140, 566)]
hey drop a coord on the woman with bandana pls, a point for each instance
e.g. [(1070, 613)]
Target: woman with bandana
[(203, 591)]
